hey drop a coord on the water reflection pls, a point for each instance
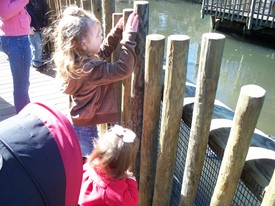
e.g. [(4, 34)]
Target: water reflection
[(244, 61), (247, 63)]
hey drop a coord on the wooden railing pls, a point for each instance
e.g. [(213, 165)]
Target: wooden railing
[(253, 13)]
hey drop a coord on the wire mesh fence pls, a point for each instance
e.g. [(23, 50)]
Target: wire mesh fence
[(209, 175)]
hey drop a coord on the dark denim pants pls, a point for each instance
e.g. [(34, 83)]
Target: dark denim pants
[(19, 53), (86, 136), (36, 49)]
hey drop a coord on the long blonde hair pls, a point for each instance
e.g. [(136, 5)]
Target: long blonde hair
[(69, 32), (115, 152)]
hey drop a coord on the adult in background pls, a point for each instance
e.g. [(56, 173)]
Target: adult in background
[(14, 30), (37, 9)]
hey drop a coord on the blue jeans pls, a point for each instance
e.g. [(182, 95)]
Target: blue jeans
[(18, 51), (36, 48), (86, 136)]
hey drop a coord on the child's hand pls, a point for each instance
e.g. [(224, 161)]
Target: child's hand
[(130, 175), (132, 23), (120, 23)]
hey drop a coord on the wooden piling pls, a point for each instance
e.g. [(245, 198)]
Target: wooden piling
[(115, 18), (247, 112), (126, 85), (102, 128), (97, 9), (207, 81), (87, 5), (108, 8), (115, 55), (154, 54), (269, 197), (174, 87), (137, 86)]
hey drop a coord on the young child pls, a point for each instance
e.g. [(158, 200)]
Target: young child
[(106, 179), (88, 79)]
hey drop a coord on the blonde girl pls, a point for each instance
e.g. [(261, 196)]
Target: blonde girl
[(106, 179), (80, 57)]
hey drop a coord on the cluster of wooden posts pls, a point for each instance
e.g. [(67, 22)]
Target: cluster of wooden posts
[(140, 103)]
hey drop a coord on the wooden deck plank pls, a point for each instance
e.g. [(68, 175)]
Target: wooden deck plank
[(44, 88)]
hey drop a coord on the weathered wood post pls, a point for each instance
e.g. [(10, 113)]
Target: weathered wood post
[(154, 54), (137, 87), (108, 8), (269, 197), (174, 87), (247, 112), (102, 128), (87, 5), (97, 9), (115, 18), (77, 2), (68, 2), (207, 81), (115, 54), (126, 85)]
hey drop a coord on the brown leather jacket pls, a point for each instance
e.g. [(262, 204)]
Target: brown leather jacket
[(92, 97)]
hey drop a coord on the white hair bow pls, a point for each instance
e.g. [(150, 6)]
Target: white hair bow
[(126, 134)]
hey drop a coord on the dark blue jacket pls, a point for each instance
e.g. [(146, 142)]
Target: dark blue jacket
[(38, 12)]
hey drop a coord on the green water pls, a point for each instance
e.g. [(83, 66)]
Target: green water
[(245, 61)]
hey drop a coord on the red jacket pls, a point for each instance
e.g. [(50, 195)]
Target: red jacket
[(97, 190)]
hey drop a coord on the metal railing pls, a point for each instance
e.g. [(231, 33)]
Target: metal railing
[(255, 14)]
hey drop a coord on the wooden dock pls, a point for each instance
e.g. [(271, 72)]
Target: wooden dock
[(251, 14), (43, 88)]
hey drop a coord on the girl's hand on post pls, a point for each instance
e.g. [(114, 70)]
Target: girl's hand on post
[(130, 175), (120, 23), (132, 23)]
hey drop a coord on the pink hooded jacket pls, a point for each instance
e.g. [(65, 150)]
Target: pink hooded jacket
[(14, 18)]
